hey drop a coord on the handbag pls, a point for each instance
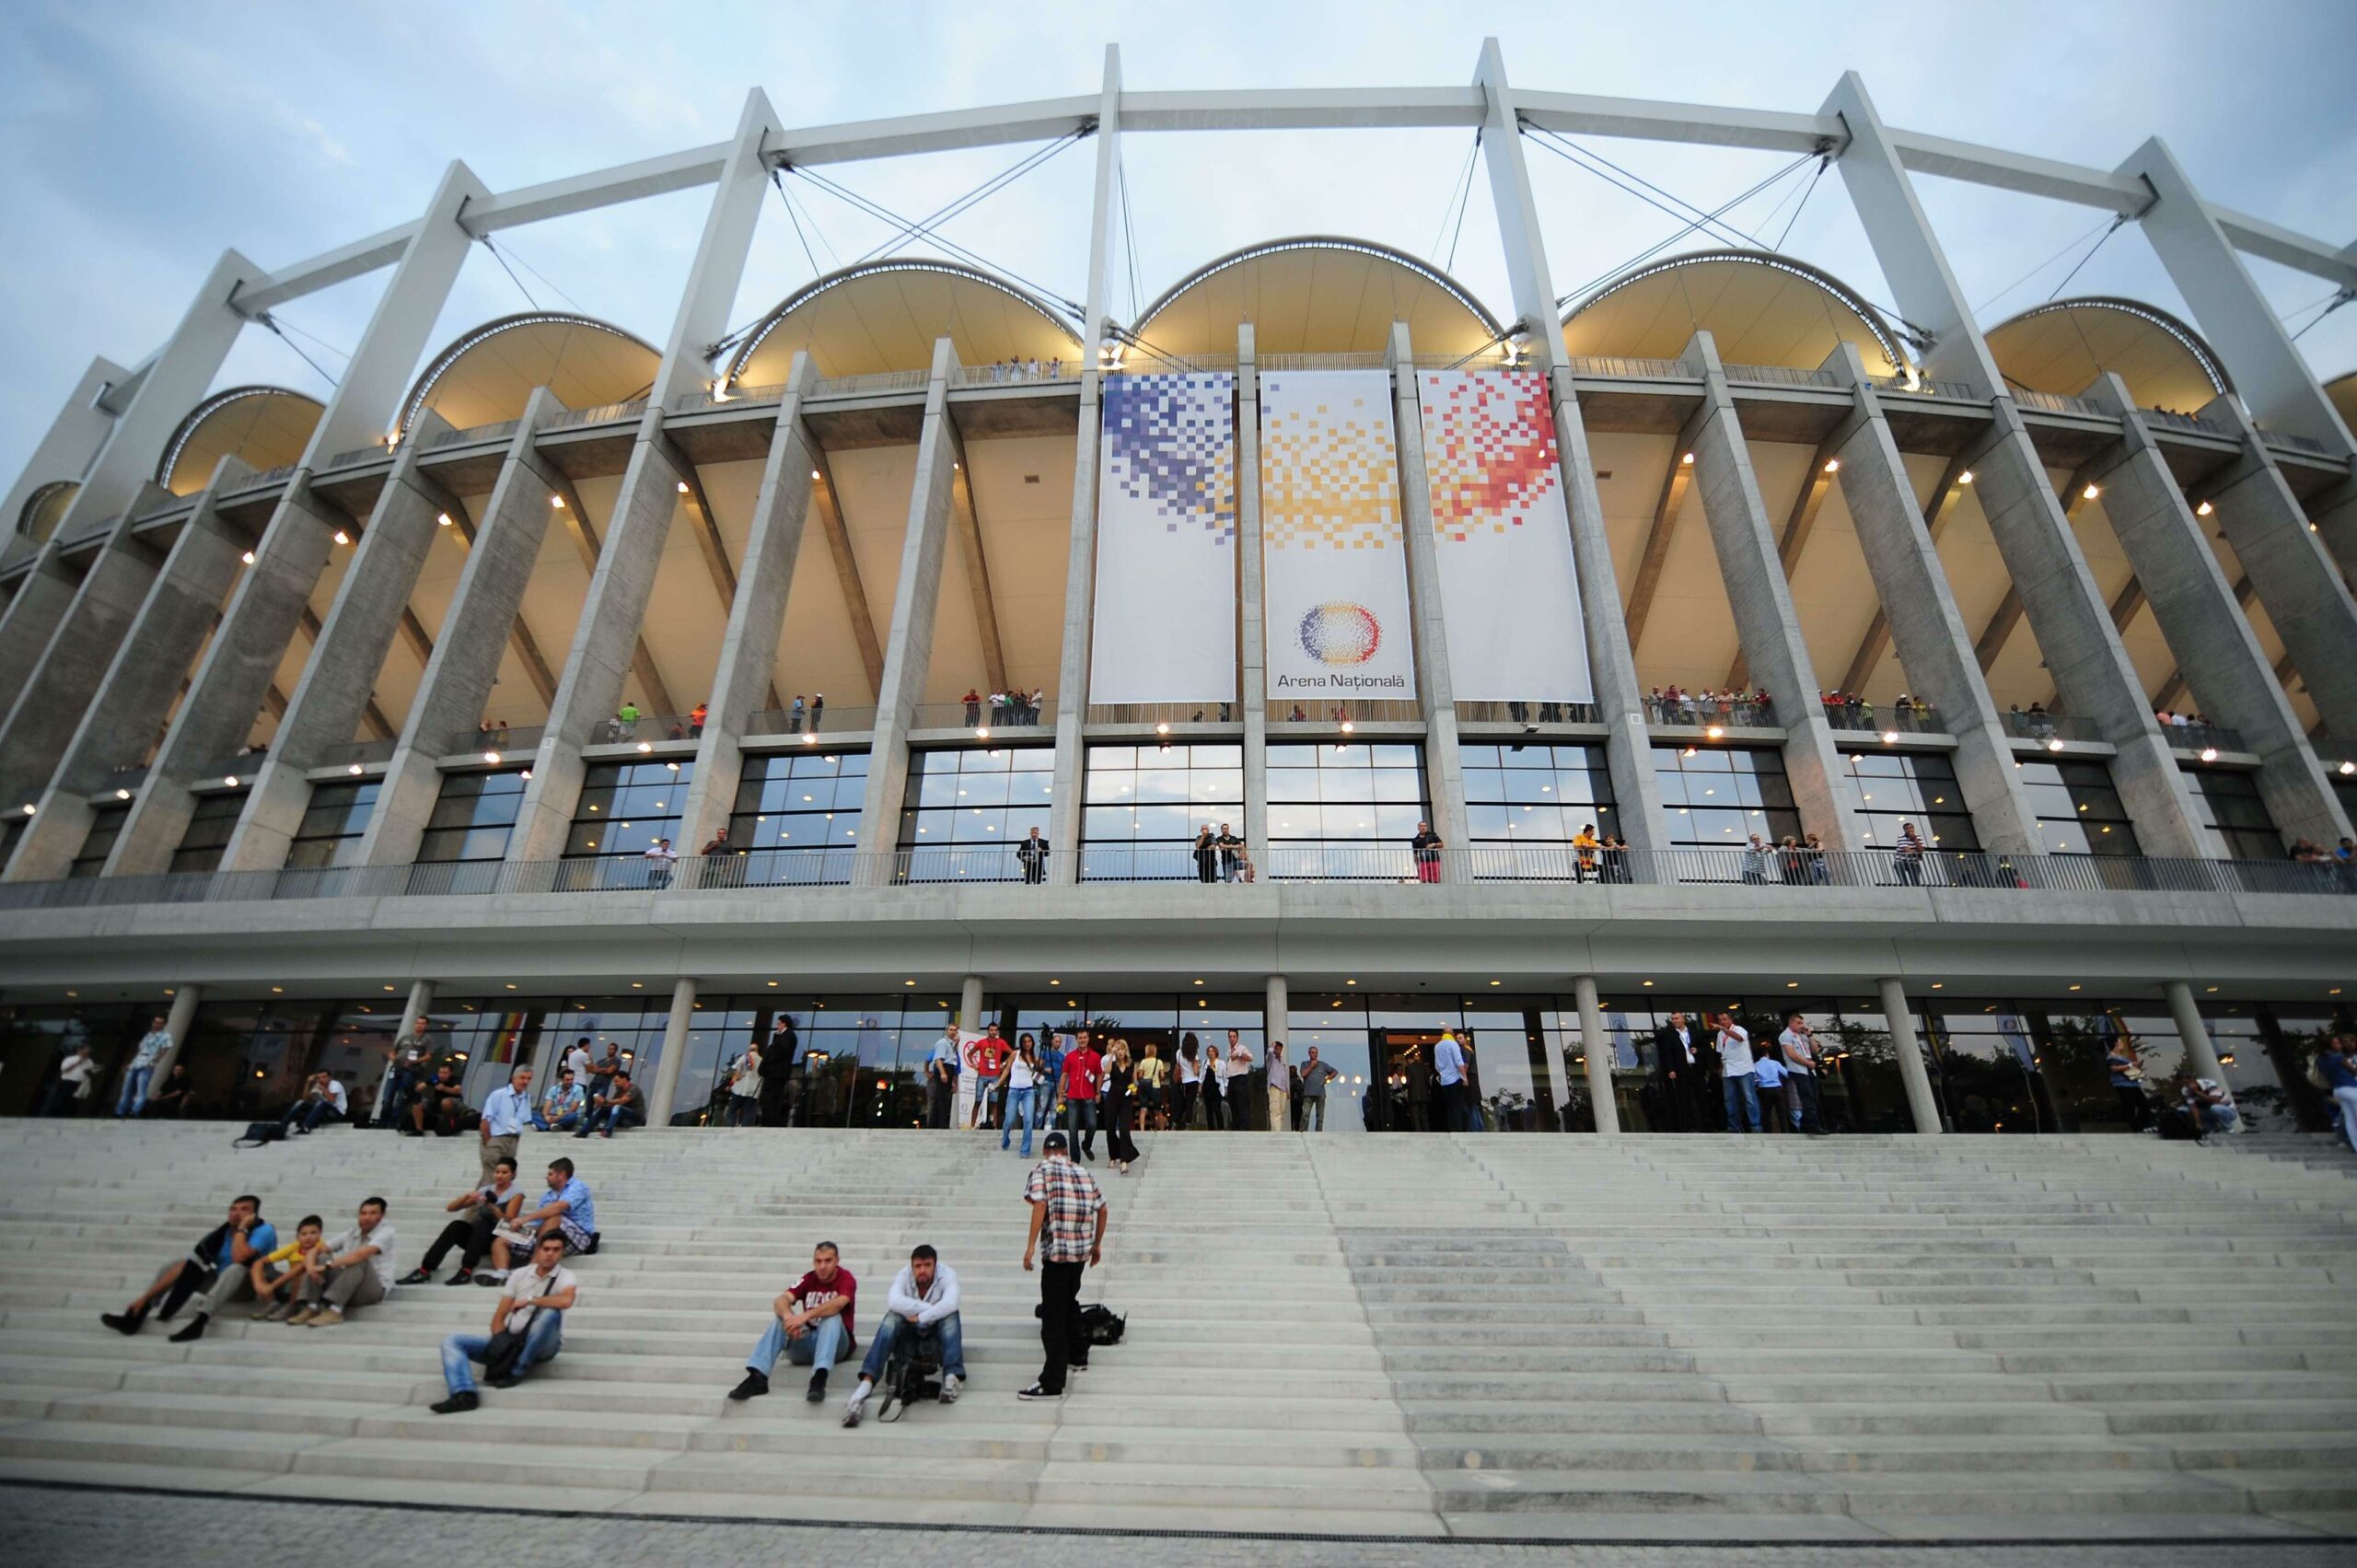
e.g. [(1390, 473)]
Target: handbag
[(499, 1356)]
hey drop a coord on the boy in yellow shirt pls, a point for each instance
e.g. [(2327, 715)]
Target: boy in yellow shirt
[(276, 1275)]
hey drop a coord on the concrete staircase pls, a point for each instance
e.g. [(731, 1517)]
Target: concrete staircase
[(1749, 1338)]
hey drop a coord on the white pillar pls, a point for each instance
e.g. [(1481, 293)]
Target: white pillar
[(969, 1004), (177, 1024), (1443, 763), (1920, 1103), (675, 1052), (2200, 1054), (420, 1003), (1252, 665), (1596, 1046)]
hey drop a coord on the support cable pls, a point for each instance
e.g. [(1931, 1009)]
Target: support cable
[(1460, 196), (2339, 299), (1128, 238), (2090, 256), (807, 254), (1077, 311), (1651, 251), (980, 193), (1806, 191), (2071, 245), (542, 275), (267, 320), (1707, 222), (484, 239)]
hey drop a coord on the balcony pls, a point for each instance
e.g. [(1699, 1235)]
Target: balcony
[(1163, 715), (1888, 719), (987, 718), (1344, 715), (2049, 728), (1028, 374), (494, 740), (696, 402), (877, 385), (2055, 403), (1782, 376), (357, 754), (1616, 368), (2202, 738), (495, 432), (603, 413), (1708, 711), (828, 721), (1529, 714)]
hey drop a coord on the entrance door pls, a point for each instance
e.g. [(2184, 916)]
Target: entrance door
[(1404, 1097)]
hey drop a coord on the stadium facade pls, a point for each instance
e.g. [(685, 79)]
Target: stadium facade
[(324, 717)]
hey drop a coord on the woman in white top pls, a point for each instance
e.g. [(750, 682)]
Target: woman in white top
[(744, 1095), (1024, 1093), (1190, 1081)]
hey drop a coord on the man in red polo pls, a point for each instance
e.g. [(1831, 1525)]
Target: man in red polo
[(1084, 1077)]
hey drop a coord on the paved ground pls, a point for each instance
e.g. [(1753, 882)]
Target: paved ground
[(84, 1528)]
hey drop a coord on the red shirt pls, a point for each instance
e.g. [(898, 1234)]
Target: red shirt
[(810, 1293), (989, 1055), (1083, 1073)]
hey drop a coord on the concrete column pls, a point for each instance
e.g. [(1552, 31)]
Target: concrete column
[(339, 679), (1444, 765), (66, 676), (675, 1053), (119, 725), (2288, 568), (474, 633), (2235, 318), (755, 618), (2071, 622), (2334, 517), (1252, 671), (34, 612), (176, 1023), (1612, 667), (1596, 1046), (1067, 783), (1922, 618), (420, 1003), (1921, 1102), (1766, 624), (970, 1004), (2201, 1054), (2231, 679), (909, 650)]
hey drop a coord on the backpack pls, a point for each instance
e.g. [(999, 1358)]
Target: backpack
[(256, 1133), (1099, 1325)]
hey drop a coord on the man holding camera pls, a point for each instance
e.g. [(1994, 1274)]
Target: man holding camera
[(921, 1305)]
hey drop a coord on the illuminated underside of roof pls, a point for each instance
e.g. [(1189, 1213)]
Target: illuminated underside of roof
[(883, 316), (264, 427), (488, 375), (2063, 346), (2342, 390), (1318, 293), (45, 509), (1760, 308)]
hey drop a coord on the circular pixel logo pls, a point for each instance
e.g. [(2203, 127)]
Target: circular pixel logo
[(1341, 633)]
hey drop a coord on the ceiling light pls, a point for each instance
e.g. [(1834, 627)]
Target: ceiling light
[(2054, 745), (492, 757), (528, 772), (248, 557), (443, 518), (1832, 465), (353, 771), (1687, 461), (1497, 982), (1055, 982), (125, 795), (2075, 988), (511, 985), (557, 502), (1349, 983), (277, 990), (1965, 478), (809, 739), (1647, 982), (2091, 492), (773, 985), (341, 537), (388, 988), (814, 473), (1714, 732), (2347, 770), (908, 982), (1890, 737), (647, 746), (2209, 753), (1938, 983), (29, 808), (683, 487), (231, 781), (1162, 729), (2204, 509)]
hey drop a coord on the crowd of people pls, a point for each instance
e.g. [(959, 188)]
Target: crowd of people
[(1674, 705), (1003, 709), (1026, 369), (1711, 1075), (1848, 710)]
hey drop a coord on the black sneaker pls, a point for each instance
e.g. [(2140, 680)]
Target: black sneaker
[(415, 1277), (818, 1394), (512, 1381), (123, 1322), (195, 1330), (463, 1277), (457, 1404), (755, 1385), (1039, 1391)]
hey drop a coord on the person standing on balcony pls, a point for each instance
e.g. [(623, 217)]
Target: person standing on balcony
[(142, 1070), (794, 716), (1206, 855), (626, 720), (1231, 854), (1906, 859), (818, 708), (696, 716), (974, 700), (1738, 1086), (1032, 855), (1585, 845), (1038, 701), (1426, 847)]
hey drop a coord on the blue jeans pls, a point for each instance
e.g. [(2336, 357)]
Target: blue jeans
[(944, 1338), (610, 1119), (1080, 1120), (1741, 1088), (1024, 1105), (1313, 1113), (459, 1351), (816, 1349), (133, 1099), (564, 1124)]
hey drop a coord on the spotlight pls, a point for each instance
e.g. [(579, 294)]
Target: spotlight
[(1832, 465), (490, 757), (443, 518)]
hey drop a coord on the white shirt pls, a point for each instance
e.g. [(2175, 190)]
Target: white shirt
[(749, 1076), (1019, 1076), (1189, 1073), (335, 1094), (1449, 1060), (381, 1239), (152, 1044), (578, 1060), (1799, 1052), (1734, 1051), (1684, 1038), (75, 1069), (939, 1301), (524, 1285)]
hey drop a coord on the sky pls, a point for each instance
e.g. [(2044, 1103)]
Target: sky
[(138, 141)]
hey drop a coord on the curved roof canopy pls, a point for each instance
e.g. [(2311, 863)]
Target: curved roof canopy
[(45, 509), (885, 314), (266, 428), (1760, 308), (2342, 390), (2063, 345), (487, 375), (1318, 293)]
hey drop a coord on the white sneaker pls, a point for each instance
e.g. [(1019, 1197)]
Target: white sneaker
[(949, 1387), (854, 1406)]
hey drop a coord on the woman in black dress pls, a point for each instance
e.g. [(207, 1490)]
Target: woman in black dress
[(1120, 1109), (1206, 857)]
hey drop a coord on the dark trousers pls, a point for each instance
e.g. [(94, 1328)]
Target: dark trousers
[(1119, 1145), (1060, 1323), (1080, 1116), (472, 1237), (1214, 1104), (2133, 1105), (1182, 1113), (1801, 1086), (1455, 1107), (936, 1105)]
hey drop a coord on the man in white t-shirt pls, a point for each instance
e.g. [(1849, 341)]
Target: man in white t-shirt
[(1801, 1061), (533, 1305), (1735, 1081), (578, 1060), (74, 1076)]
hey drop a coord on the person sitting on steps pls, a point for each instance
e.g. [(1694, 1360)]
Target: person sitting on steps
[(440, 1106), (811, 1325), (216, 1265), (355, 1269), (276, 1277), (567, 1209), (533, 1305), (479, 1209), (922, 1307), (617, 1108)]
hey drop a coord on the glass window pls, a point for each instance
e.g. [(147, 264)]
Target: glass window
[(1909, 787), (626, 806), (1525, 803), (2227, 803), (1142, 805), (796, 818), (473, 819), (1346, 810), (967, 809), (209, 827), (105, 824), (333, 824), (2078, 811), (1716, 798), (2073, 1042)]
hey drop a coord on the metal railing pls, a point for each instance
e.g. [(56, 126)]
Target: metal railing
[(2200, 738), (1690, 710), (2172, 420), (1782, 376), (1142, 363), (1376, 361), (870, 385), (268, 476), (130, 777), (984, 715), (361, 751), (1786, 869), (2049, 726), (236, 770), (1914, 718), (2051, 402), (1027, 372), (1163, 713), (1620, 367), (649, 727), (830, 720), (695, 402), (2284, 438), (1925, 386), (1529, 712), (1327, 712), (355, 457), (601, 414), (499, 737), (499, 431)]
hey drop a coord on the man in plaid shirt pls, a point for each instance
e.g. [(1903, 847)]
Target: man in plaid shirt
[(1066, 1206)]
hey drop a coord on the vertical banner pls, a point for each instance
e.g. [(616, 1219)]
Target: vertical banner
[(1335, 563), (1164, 623), (1510, 593)]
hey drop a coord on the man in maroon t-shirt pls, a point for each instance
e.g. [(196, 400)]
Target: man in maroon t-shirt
[(988, 1056), (1084, 1077), (812, 1327)]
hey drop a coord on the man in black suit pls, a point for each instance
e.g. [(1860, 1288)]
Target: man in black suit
[(1687, 1069)]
